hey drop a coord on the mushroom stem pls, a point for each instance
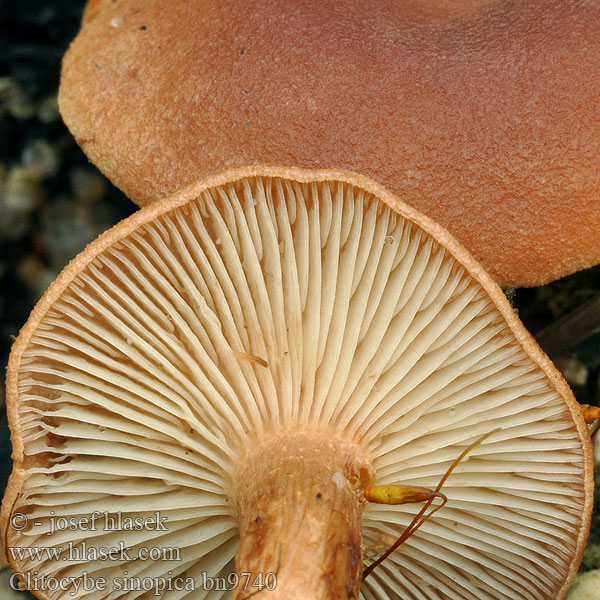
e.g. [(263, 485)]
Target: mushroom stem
[(299, 515)]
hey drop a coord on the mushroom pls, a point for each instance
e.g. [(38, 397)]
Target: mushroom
[(202, 397), (483, 114)]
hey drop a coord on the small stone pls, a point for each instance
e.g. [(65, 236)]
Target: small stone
[(585, 586), (21, 193), (48, 109), (41, 158), (14, 100), (21, 190)]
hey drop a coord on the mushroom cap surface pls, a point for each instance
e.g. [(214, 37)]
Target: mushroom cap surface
[(484, 115), (266, 299)]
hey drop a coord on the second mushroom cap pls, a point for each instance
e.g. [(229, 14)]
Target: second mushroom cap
[(483, 114)]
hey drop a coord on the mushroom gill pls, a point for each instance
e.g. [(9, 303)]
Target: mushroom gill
[(226, 371)]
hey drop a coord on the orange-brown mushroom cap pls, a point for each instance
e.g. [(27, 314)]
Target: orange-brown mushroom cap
[(483, 114)]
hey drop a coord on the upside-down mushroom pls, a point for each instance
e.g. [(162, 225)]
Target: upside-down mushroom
[(483, 114), (235, 365)]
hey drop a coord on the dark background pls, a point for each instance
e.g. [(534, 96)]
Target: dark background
[(53, 202)]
